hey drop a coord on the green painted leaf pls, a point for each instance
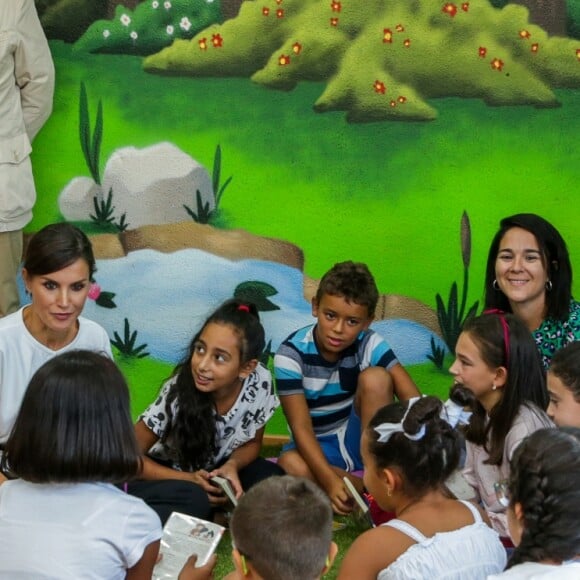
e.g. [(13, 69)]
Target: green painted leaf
[(257, 292)]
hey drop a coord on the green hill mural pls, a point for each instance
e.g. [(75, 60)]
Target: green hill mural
[(383, 60)]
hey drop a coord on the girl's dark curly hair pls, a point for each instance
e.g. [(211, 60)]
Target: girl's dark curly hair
[(193, 429), (426, 463), (525, 383), (544, 476)]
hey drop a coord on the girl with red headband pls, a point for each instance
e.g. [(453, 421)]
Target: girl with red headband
[(209, 417), (498, 374)]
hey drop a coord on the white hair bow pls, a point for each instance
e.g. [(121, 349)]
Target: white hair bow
[(387, 430), (451, 412), (454, 414)]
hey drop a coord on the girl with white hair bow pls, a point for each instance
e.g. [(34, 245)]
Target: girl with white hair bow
[(409, 450)]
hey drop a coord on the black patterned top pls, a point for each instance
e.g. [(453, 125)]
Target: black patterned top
[(255, 404), (553, 335)]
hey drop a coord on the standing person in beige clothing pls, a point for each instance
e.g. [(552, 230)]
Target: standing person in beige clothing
[(26, 91)]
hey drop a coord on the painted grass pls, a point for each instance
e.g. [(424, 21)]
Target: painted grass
[(430, 380), (390, 194)]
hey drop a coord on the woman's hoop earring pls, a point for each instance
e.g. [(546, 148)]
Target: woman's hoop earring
[(495, 285), (549, 285)]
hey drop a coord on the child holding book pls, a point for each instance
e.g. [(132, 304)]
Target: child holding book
[(564, 386), (544, 510), (331, 378), (282, 529), (409, 451), (209, 418), (72, 441), (497, 371)]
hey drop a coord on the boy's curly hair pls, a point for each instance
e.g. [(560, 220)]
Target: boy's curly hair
[(353, 281)]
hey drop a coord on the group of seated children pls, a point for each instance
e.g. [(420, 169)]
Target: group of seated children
[(282, 528), (71, 452)]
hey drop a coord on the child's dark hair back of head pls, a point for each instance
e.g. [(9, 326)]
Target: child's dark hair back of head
[(74, 424), (503, 340), (544, 480), (566, 366), (283, 526), (426, 463), (193, 430), (353, 281)]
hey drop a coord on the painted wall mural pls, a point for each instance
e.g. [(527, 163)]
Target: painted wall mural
[(218, 148)]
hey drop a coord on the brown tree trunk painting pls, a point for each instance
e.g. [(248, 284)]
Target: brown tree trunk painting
[(549, 14)]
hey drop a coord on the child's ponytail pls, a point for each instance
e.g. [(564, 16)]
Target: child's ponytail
[(417, 439), (244, 317)]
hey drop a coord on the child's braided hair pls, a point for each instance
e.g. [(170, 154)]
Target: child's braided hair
[(544, 480)]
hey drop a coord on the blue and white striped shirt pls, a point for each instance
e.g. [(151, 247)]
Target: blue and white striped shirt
[(329, 387)]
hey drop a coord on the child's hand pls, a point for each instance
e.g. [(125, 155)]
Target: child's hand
[(339, 496), (230, 472), (190, 572), (214, 493)]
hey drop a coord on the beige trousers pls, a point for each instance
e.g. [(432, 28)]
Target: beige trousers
[(10, 257)]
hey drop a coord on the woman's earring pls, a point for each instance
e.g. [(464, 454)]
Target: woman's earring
[(389, 491), (549, 285), (495, 285), (494, 387)]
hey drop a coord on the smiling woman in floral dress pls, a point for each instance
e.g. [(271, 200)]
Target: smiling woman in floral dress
[(529, 273)]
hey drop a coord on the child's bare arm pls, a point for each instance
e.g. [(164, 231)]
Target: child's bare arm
[(372, 552), (405, 388), (153, 470), (298, 417), (143, 569), (240, 457)]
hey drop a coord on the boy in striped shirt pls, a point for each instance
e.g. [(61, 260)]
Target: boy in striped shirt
[(332, 377)]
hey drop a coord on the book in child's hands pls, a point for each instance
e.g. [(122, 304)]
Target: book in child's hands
[(361, 511), (183, 536), (459, 487), (226, 487)]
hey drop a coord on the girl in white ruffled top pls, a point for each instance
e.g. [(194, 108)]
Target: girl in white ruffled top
[(409, 450)]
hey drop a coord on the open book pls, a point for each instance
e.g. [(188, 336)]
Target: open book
[(183, 536), (458, 486)]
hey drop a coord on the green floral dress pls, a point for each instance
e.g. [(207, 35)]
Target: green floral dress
[(553, 335)]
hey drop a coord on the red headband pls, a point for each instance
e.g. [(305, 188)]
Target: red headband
[(506, 331), (244, 308)]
